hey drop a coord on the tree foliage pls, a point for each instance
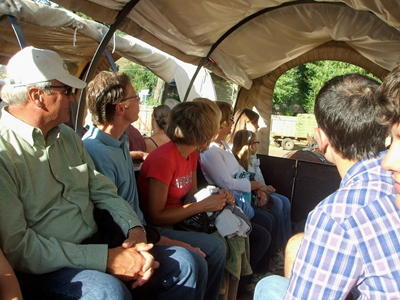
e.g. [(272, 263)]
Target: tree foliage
[(141, 78), (300, 85)]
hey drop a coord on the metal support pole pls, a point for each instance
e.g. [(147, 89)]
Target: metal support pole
[(96, 60), (18, 32), (111, 60)]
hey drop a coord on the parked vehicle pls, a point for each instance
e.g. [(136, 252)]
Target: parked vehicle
[(285, 130)]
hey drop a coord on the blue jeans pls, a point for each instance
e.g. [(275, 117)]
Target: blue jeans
[(271, 288), (281, 212), (266, 221), (182, 274), (215, 251)]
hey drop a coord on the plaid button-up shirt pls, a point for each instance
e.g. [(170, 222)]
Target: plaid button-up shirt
[(352, 240)]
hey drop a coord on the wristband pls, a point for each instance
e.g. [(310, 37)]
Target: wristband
[(137, 226)]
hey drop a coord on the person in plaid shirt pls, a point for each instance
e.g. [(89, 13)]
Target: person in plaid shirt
[(351, 243)]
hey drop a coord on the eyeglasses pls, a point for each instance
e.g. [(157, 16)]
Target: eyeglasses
[(68, 89), (134, 97)]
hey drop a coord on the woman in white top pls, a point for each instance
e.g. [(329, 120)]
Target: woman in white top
[(245, 148), (220, 168)]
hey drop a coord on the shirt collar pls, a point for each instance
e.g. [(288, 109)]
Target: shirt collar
[(107, 139), (32, 135), (363, 166)]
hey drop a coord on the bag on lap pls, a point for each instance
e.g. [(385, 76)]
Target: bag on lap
[(202, 222)]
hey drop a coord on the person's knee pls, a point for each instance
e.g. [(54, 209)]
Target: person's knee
[(191, 262), (217, 247), (271, 287), (291, 250), (277, 202), (294, 242), (98, 285)]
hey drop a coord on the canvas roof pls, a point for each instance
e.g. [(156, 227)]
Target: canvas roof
[(76, 39), (189, 29), (253, 42)]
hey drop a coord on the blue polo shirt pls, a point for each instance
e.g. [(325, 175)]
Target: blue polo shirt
[(111, 157)]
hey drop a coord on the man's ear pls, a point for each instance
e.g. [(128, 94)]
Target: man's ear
[(35, 95), (119, 109), (321, 138)]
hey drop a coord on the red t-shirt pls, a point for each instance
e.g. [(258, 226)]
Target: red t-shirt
[(166, 164)]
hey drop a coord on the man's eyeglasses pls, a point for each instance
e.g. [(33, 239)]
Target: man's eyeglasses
[(66, 92), (134, 97)]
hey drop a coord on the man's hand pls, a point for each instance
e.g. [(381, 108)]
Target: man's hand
[(167, 241), (132, 263), (138, 155), (136, 236)]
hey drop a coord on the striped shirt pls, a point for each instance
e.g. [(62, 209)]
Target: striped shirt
[(352, 240)]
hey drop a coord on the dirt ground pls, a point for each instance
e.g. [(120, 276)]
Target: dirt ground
[(279, 152)]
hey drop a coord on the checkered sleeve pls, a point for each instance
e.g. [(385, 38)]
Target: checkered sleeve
[(327, 263)]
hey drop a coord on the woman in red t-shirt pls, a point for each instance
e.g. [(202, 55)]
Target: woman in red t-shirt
[(168, 177)]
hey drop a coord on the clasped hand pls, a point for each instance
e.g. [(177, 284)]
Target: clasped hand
[(132, 260)]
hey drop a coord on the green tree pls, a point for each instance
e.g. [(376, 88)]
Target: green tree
[(301, 84), (321, 71), (285, 91), (141, 78)]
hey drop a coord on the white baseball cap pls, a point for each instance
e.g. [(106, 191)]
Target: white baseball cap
[(32, 65)]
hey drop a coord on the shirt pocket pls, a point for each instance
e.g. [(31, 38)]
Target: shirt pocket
[(78, 181)]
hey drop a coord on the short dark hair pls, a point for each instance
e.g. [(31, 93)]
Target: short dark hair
[(104, 92), (346, 110), (193, 123), (388, 97)]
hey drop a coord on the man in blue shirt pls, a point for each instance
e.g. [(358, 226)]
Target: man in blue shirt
[(114, 105), (351, 239)]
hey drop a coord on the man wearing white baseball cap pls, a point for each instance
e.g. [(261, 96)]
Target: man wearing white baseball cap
[(52, 197), (38, 88)]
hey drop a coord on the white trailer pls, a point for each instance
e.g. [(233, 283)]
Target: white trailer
[(285, 130)]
